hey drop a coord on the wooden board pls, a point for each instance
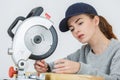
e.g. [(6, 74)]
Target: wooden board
[(54, 76)]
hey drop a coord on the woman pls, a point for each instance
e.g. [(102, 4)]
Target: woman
[(100, 56)]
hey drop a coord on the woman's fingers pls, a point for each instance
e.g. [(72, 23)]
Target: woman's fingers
[(39, 63), (42, 70), (61, 70), (60, 65), (40, 66), (66, 66)]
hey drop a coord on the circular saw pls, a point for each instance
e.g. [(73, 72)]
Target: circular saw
[(35, 38)]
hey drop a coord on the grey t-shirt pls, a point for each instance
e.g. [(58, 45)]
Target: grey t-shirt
[(106, 64)]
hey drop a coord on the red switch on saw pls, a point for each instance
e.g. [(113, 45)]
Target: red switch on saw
[(47, 16), (12, 72)]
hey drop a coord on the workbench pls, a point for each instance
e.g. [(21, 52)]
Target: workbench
[(54, 76)]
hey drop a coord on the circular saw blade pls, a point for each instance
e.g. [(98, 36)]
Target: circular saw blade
[(38, 39)]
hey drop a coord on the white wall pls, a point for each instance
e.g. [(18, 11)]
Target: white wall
[(10, 9)]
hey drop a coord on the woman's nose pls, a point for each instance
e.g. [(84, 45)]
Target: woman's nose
[(76, 30)]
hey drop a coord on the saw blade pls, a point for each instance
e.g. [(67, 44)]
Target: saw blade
[(38, 39)]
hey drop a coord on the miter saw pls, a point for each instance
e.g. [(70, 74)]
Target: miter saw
[(35, 38)]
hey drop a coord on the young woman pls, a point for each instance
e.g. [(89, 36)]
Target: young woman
[(100, 54)]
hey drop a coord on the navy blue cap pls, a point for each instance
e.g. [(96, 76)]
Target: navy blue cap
[(76, 9)]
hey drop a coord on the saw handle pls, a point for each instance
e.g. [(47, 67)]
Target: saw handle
[(11, 34), (35, 12)]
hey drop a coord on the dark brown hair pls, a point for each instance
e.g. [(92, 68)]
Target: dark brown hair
[(104, 26)]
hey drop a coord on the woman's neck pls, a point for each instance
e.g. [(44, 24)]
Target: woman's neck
[(99, 43)]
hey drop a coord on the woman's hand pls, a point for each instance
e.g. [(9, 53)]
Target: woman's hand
[(41, 66), (66, 66)]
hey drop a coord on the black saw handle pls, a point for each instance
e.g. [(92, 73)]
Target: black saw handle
[(11, 34), (34, 12)]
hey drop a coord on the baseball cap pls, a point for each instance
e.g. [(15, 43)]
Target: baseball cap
[(76, 9)]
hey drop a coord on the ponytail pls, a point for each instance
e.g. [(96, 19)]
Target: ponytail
[(106, 28)]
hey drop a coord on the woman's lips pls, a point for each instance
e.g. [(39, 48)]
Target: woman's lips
[(80, 36)]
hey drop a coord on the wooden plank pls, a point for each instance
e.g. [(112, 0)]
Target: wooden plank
[(54, 76)]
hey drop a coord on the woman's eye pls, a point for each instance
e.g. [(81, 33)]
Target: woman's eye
[(80, 23), (71, 29)]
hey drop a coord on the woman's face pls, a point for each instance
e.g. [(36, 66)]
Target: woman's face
[(82, 27)]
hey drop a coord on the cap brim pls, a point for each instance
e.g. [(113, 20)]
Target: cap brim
[(63, 25)]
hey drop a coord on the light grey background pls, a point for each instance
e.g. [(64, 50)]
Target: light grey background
[(10, 9)]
